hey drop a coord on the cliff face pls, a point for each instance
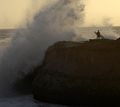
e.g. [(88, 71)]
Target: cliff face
[(76, 73)]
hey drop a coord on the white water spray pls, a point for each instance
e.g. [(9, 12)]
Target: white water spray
[(54, 22)]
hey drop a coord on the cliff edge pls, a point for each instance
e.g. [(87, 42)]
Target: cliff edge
[(80, 73)]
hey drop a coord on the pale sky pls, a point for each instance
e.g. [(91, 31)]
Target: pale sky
[(12, 12), (97, 12), (102, 12)]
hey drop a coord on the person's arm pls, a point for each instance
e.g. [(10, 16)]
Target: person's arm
[(95, 33)]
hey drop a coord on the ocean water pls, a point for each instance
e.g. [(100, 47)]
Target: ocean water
[(6, 36)]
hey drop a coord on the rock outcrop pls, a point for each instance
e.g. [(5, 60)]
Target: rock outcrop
[(80, 73)]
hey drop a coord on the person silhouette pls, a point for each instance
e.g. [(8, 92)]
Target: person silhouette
[(99, 36)]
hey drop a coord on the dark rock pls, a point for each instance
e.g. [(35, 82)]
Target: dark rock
[(80, 73)]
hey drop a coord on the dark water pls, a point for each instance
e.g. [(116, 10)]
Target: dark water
[(5, 33)]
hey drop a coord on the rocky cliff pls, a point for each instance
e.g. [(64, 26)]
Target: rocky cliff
[(80, 73)]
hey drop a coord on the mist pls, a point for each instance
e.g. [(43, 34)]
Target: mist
[(55, 21)]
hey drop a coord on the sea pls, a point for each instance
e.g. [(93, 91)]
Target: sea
[(6, 36)]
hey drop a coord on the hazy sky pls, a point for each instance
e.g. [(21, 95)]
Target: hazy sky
[(97, 12), (12, 12)]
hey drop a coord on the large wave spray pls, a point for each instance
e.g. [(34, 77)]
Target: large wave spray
[(54, 22)]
